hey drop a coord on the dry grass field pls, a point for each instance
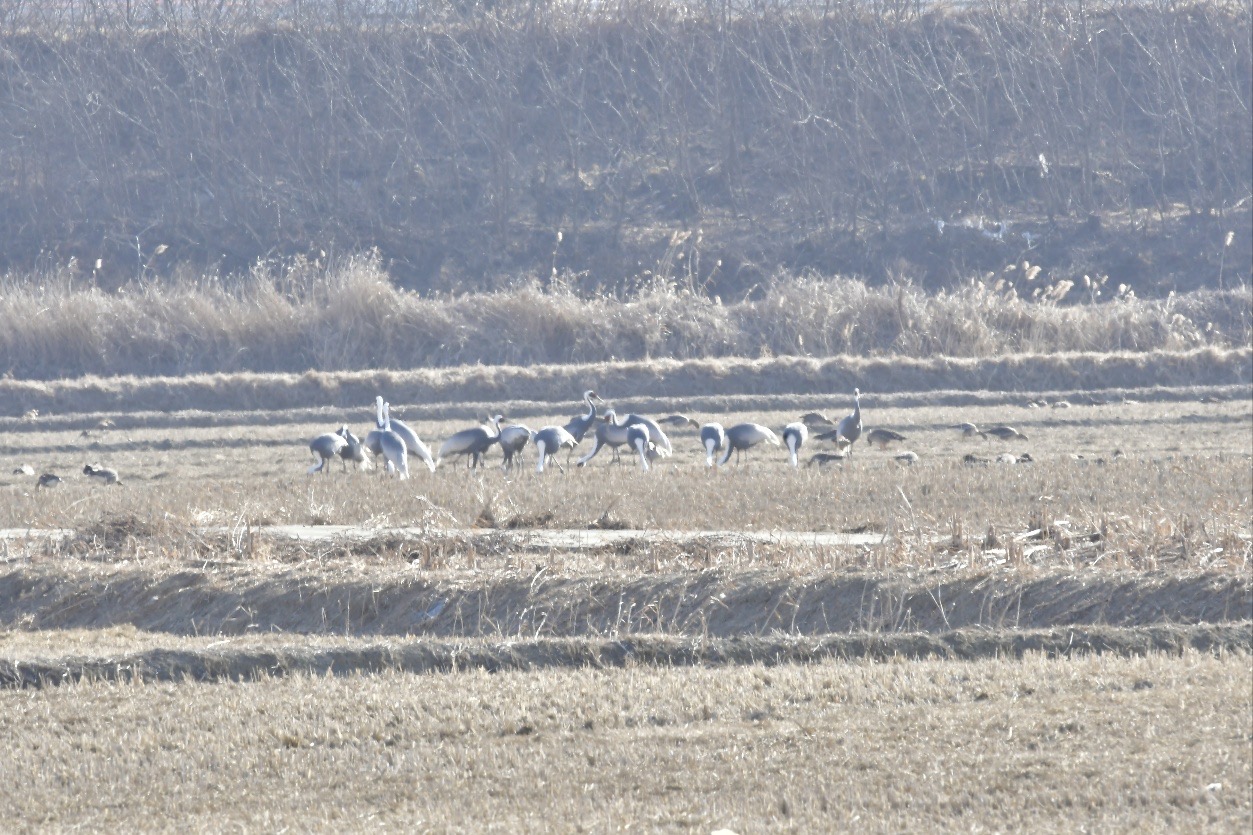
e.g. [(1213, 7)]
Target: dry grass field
[(1151, 744), (1043, 645)]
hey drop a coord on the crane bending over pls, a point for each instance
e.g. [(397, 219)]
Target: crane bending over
[(744, 436), (513, 438), (712, 436), (548, 442), (794, 437), (393, 447), (324, 448), (637, 439)]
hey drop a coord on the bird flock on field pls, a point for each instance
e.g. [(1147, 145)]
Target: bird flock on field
[(642, 437), (393, 445)]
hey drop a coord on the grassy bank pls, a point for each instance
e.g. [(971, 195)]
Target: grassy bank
[(349, 316)]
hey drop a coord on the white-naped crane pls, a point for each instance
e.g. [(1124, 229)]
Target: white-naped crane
[(744, 436), (638, 440), (579, 425), (850, 425), (473, 442), (609, 433), (412, 442), (655, 434), (393, 448), (324, 448), (513, 438), (712, 436), (882, 438), (794, 437), (548, 442)]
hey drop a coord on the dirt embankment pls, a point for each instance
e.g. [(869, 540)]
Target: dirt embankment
[(708, 604), (655, 382), (278, 657)]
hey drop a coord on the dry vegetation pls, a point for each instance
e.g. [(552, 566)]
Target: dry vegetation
[(349, 315), (1159, 743), (718, 141)]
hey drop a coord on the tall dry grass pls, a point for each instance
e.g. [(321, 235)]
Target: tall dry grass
[(348, 315)]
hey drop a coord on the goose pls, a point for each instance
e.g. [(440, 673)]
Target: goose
[(393, 448), (834, 436), (513, 438), (49, 480), (25, 469), (883, 437), (105, 474), (548, 441), (1005, 433), (850, 425), (609, 433), (352, 449), (473, 442), (744, 436), (794, 437), (324, 448), (968, 430), (824, 458), (413, 444), (906, 457), (579, 425), (816, 420), (712, 436)]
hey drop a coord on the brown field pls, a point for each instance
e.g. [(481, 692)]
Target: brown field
[(1010, 646), (1157, 743)]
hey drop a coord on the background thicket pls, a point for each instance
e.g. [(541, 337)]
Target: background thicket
[(475, 143)]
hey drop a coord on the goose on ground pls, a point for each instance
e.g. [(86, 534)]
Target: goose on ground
[(744, 436), (49, 480), (103, 474), (883, 437), (906, 457), (1005, 433), (816, 420), (824, 458)]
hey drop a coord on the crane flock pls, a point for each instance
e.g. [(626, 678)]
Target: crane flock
[(641, 436)]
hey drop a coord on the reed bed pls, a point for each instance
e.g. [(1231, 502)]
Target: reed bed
[(349, 316)]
